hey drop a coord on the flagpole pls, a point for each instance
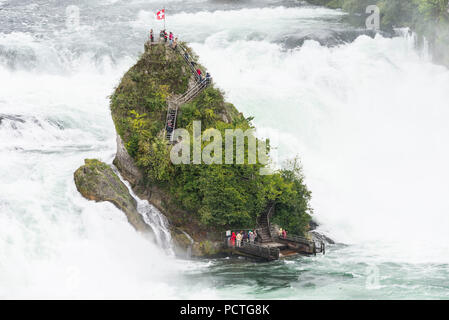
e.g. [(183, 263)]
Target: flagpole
[(164, 18)]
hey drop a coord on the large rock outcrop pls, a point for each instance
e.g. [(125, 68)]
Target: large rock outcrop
[(97, 181), (199, 201), (183, 226)]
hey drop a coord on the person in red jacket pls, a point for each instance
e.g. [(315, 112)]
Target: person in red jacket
[(284, 234), (233, 239), (198, 71)]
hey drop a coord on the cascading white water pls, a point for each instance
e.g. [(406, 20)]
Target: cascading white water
[(367, 119), (53, 242), (153, 217)]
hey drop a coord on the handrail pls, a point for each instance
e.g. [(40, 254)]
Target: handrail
[(188, 95), (169, 134), (225, 237), (189, 61), (268, 212), (307, 242)]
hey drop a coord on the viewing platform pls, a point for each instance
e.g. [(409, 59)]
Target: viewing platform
[(279, 248), (268, 245)]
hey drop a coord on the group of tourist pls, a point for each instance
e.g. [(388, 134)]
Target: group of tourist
[(206, 79), (165, 37), (237, 240), (199, 74), (282, 233), (173, 43)]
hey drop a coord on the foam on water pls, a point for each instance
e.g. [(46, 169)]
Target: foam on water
[(53, 242), (258, 23), (367, 118)]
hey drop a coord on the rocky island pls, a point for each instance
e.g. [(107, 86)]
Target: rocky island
[(200, 201)]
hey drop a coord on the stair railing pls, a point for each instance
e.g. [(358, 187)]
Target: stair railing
[(187, 96)]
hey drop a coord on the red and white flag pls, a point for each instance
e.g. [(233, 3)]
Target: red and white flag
[(160, 15)]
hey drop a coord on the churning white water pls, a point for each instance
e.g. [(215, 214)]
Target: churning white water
[(153, 217), (367, 117)]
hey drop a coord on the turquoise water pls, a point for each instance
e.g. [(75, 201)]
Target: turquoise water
[(366, 115), (343, 273)]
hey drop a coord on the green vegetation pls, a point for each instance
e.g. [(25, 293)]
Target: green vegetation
[(92, 174), (219, 196), (429, 18)]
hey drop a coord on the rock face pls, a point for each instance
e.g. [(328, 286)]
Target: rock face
[(178, 219), (139, 112), (97, 181), (317, 236), (125, 164)]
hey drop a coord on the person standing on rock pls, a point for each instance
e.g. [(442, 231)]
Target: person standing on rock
[(252, 237), (233, 237), (170, 38), (151, 36), (207, 79), (239, 240), (228, 238), (198, 71)]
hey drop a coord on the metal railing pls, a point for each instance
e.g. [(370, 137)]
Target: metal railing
[(185, 54), (226, 237), (192, 93), (314, 246), (187, 96)]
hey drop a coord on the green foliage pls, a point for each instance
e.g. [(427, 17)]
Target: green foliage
[(292, 208), (219, 195), (154, 157), (434, 10), (206, 108)]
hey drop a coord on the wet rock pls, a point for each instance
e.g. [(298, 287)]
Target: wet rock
[(317, 236), (12, 118), (97, 181), (125, 164)]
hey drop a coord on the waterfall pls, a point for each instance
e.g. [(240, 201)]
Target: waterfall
[(189, 249), (153, 217)]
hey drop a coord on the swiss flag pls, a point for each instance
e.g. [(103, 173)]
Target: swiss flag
[(160, 15)]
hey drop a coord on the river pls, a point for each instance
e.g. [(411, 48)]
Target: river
[(366, 115)]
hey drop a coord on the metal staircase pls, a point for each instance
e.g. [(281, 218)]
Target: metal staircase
[(170, 123), (263, 225), (173, 106)]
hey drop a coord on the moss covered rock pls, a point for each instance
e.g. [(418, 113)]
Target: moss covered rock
[(203, 199), (208, 249), (97, 181)]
